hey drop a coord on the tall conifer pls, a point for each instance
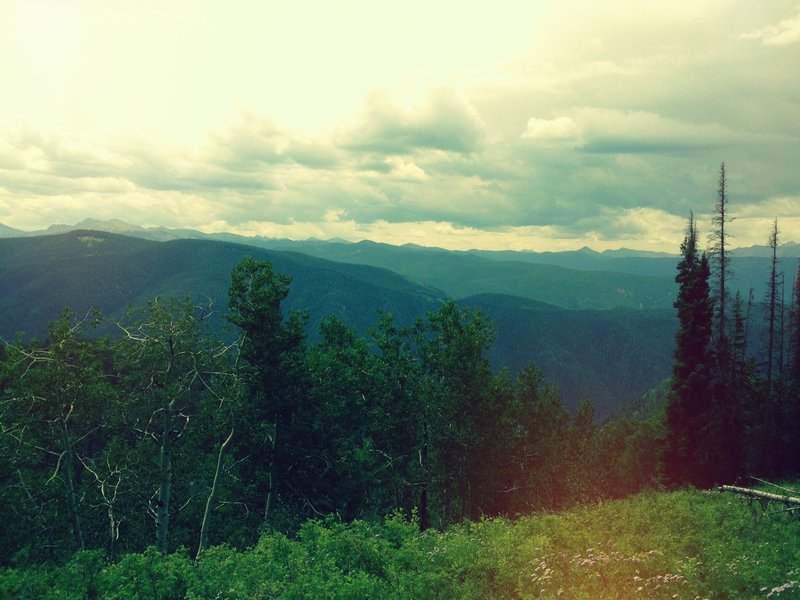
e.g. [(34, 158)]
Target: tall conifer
[(792, 397), (720, 265), (688, 455)]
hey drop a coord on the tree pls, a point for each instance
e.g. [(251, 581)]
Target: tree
[(794, 332), (172, 366), (687, 457), (770, 425), (792, 399), (347, 459), (774, 306), (452, 345), (53, 412), (407, 437), (735, 425), (273, 353), (536, 434), (719, 261)]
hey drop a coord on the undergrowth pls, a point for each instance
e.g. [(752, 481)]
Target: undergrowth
[(685, 544)]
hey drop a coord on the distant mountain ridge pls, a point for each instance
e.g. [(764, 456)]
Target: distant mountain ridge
[(40, 275), (788, 249), (604, 282), (6, 231)]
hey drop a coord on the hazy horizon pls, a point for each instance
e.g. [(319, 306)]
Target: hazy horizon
[(123, 228)]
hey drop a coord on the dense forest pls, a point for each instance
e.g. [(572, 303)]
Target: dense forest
[(165, 435), (162, 429), (629, 352)]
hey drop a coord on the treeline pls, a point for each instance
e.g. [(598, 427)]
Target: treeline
[(734, 406), (170, 434)]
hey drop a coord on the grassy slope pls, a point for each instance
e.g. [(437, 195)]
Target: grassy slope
[(656, 545)]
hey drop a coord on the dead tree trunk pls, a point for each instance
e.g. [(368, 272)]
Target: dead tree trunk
[(211, 497), (792, 503), (72, 504), (165, 484)]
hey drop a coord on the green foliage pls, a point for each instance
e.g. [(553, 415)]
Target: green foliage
[(689, 455), (629, 350), (150, 574), (654, 545), (125, 436), (728, 414), (54, 405)]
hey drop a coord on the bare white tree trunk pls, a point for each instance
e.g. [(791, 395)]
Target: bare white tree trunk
[(211, 497)]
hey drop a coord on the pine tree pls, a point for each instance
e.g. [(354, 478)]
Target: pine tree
[(773, 307), (741, 390), (791, 399), (794, 335), (720, 265), (725, 420), (273, 350), (770, 408), (687, 456)]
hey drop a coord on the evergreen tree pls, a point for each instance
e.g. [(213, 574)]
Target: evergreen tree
[(274, 372), (773, 304), (791, 401), (794, 335), (687, 457), (720, 266), (741, 389), (771, 427)]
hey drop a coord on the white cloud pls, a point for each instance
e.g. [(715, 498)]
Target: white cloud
[(405, 170), (783, 33), (558, 130), (443, 121), (623, 131)]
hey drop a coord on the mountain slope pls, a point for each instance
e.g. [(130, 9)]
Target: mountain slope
[(39, 276), (607, 356), (586, 279), (464, 274)]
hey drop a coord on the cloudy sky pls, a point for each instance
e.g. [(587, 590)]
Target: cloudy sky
[(527, 125)]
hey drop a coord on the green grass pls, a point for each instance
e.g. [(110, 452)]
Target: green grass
[(684, 544)]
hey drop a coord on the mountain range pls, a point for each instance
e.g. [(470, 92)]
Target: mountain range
[(600, 326)]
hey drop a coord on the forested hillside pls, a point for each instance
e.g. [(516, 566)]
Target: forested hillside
[(425, 264), (41, 275), (463, 274), (166, 423)]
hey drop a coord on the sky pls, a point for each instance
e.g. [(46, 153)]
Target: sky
[(533, 125)]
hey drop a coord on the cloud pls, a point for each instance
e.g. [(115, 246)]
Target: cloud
[(634, 132), (254, 141), (405, 171), (444, 122), (783, 33), (561, 130)]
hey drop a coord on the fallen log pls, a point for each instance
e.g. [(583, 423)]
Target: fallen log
[(759, 495)]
